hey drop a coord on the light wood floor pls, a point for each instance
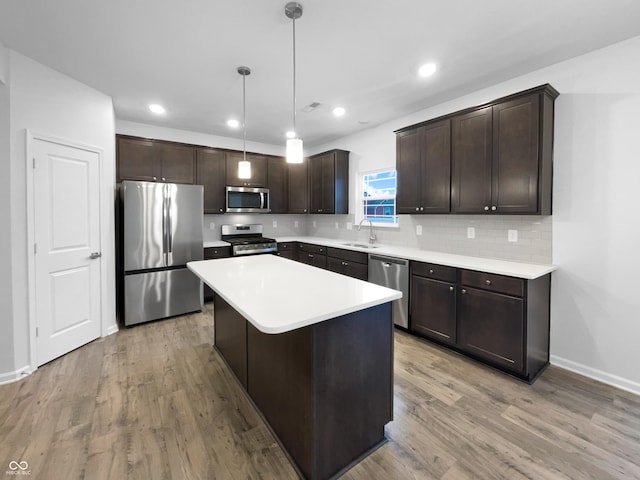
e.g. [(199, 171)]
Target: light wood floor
[(156, 402)]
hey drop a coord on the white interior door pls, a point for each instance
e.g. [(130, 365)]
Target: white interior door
[(67, 247)]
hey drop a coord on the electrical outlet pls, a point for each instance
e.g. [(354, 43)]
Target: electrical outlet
[(337, 225), (418, 229), (512, 235), (212, 226), (313, 224), (295, 224), (349, 226), (275, 224), (471, 232)]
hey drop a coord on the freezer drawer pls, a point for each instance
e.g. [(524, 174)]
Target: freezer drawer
[(154, 295)]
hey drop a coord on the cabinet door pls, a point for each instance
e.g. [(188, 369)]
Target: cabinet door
[(435, 177), (258, 170), (491, 326), (298, 187), (433, 309), (408, 171), (177, 162), (315, 259), (136, 160), (316, 187), (515, 155), (277, 183), (471, 161), (211, 174)]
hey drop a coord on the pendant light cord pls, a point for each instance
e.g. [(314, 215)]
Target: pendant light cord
[(294, 77), (244, 117)]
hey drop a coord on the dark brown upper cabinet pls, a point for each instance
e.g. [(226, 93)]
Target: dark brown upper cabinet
[(277, 183), (298, 187), (155, 161), (211, 174), (423, 168), (258, 170), (501, 158), (329, 182)]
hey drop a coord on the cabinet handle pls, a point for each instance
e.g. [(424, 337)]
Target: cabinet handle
[(320, 250), (431, 270), (494, 208), (215, 252), (154, 178), (345, 264), (164, 179), (310, 256), (421, 208), (305, 210), (319, 209), (486, 208), (221, 210), (451, 289), (488, 282), (417, 209), (464, 291)]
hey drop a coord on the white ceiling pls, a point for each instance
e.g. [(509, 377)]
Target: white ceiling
[(361, 54)]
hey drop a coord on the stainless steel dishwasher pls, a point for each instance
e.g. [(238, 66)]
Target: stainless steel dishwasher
[(393, 273)]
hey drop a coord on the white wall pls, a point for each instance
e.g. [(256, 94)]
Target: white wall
[(595, 312), (6, 326), (47, 102)]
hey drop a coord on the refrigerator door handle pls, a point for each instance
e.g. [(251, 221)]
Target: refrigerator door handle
[(169, 224), (164, 223)]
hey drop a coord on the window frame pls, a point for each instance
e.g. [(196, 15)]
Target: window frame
[(359, 214)]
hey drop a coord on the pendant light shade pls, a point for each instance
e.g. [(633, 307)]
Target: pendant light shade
[(244, 166), (293, 10), (294, 150)]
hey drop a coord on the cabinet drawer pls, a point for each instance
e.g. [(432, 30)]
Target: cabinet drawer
[(216, 252), (312, 248), (345, 267), (493, 283), (286, 246), (315, 259), (349, 255), (431, 270)]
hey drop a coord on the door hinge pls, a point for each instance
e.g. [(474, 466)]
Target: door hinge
[(37, 332), (34, 162), (35, 248)]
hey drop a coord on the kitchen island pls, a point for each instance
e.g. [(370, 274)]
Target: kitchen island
[(314, 351)]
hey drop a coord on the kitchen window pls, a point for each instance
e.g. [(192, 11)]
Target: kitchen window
[(377, 198)]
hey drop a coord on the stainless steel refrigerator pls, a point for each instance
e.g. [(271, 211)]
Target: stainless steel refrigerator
[(162, 231)]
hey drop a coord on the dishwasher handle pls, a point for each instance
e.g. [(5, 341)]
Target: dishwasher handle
[(387, 261)]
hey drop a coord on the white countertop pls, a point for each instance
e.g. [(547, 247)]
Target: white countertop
[(215, 243), (527, 271), (278, 295)]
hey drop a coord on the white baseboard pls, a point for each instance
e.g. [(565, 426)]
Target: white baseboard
[(16, 375), (604, 377), (111, 329)]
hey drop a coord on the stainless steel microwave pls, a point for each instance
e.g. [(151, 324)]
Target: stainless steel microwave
[(247, 200)]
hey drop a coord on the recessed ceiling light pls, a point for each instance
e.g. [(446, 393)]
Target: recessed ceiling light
[(339, 111), (233, 123), (291, 134), (157, 109), (427, 70)]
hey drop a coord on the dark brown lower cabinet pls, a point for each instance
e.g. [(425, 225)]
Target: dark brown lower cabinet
[(433, 309), (288, 250), (492, 327), (325, 390), (311, 254), (502, 321), (348, 262)]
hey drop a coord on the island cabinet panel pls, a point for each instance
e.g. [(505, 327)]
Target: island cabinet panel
[(326, 390), (211, 171), (230, 337)]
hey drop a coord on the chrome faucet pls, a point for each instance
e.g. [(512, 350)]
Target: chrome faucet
[(372, 236)]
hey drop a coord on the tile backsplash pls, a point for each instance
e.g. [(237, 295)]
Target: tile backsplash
[(442, 233)]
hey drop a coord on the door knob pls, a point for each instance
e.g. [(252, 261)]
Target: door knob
[(95, 255)]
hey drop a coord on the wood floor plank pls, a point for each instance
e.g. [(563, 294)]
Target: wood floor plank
[(156, 401)]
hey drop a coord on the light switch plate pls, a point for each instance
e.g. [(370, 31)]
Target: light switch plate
[(349, 226), (471, 232), (512, 235), (212, 226), (337, 225), (295, 224), (275, 224), (313, 224), (418, 229)]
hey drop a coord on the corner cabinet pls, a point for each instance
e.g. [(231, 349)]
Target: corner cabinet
[(329, 182), (496, 158)]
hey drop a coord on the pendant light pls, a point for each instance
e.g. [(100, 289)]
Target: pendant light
[(293, 10), (244, 166)]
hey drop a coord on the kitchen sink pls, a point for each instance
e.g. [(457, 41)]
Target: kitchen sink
[(360, 245)]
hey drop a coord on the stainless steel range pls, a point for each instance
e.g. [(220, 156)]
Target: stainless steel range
[(247, 239)]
